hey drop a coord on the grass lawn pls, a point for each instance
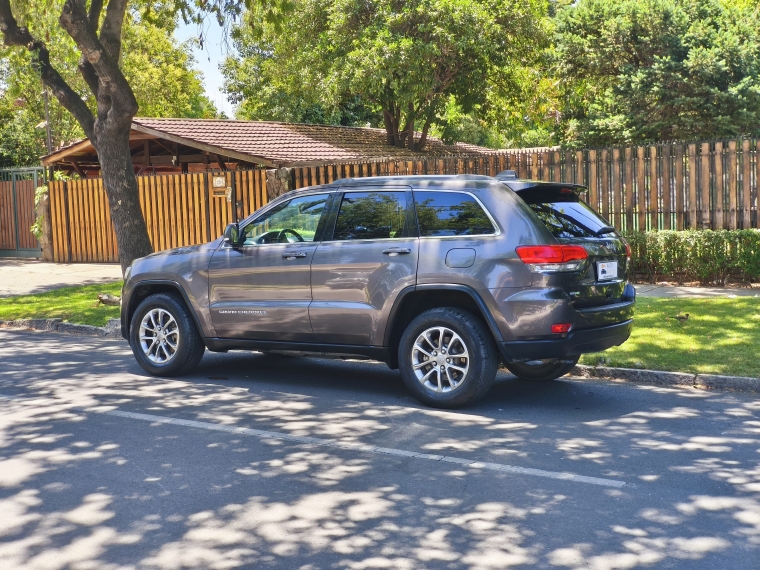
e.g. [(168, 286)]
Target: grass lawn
[(721, 336), (72, 304)]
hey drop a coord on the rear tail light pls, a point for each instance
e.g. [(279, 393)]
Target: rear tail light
[(552, 257), (561, 328), (627, 250)]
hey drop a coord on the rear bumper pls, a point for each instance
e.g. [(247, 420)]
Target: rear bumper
[(575, 343)]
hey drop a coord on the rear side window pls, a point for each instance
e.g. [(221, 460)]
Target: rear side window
[(371, 215), (570, 219), (451, 214)]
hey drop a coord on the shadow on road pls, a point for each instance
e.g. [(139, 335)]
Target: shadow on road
[(80, 489)]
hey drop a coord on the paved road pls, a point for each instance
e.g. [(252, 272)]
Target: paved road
[(266, 462), (28, 276)]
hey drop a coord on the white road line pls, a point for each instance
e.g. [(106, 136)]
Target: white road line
[(355, 446)]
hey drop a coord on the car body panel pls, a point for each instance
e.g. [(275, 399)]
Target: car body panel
[(261, 292)]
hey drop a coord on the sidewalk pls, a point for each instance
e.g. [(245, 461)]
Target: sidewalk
[(672, 292), (28, 276)]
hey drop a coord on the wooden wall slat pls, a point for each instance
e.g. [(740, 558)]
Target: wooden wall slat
[(593, 180), (628, 188), (679, 188), (667, 187), (719, 221), (654, 202), (617, 190), (732, 187), (705, 184), (641, 202), (605, 185), (746, 185), (693, 186)]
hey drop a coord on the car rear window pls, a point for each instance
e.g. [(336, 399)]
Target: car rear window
[(563, 212), (442, 214)]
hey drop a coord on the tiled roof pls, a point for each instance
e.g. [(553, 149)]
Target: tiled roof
[(291, 144)]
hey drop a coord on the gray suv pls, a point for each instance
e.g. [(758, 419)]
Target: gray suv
[(442, 277)]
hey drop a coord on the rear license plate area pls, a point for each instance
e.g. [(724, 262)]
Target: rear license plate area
[(606, 270)]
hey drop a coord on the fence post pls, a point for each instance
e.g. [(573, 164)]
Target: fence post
[(705, 185), (629, 189), (746, 186), (679, 188), (667, 208), (693, 186), (641, 201), (732, 189), (720, 221)]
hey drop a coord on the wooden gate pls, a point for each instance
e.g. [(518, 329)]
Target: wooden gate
[(17, 212), (179, 210)]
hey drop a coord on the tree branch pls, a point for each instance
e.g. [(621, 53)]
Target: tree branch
[(96, 7), (15, 35), (110, 32), (114, 92)]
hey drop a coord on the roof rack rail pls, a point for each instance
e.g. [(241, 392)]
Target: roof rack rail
[(506, 175)]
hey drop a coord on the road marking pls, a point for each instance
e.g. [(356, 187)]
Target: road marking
[(356, 446)]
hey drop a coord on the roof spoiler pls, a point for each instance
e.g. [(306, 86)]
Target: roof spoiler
[(506, 175)]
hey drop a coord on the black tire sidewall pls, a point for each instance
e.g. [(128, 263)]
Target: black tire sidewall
[(186, 347), (484, 359)]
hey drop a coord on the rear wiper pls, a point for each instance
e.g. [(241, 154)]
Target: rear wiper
[(604, 230)]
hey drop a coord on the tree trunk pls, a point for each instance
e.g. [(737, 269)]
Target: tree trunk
[(112, 144)]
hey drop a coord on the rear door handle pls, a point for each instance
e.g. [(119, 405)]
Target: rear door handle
[(293, 254), (397, 251)]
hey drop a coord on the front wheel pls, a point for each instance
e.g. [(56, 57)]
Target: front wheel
[(547, 369), (163, 336), (447, 358)]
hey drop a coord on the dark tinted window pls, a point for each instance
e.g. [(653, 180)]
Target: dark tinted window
[(570, 219), (371, 215), (451, 214)]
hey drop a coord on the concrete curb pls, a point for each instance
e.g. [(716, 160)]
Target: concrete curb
[(672, 379), (634, 375), (111, 330)]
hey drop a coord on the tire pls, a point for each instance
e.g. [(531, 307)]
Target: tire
[(549, 369), (168, 313), (464, 380)]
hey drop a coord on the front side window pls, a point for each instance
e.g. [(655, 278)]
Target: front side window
[(442, 214), (371, 215), (290, 222)]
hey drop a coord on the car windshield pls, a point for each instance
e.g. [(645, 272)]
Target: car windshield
[(570, 219)]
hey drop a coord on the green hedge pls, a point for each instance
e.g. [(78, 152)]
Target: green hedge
[(706, 256)]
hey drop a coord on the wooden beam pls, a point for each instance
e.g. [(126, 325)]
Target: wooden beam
[(146, 152), (220, 162), (78, 169)]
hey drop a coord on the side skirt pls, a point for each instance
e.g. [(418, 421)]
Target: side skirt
[(306, 348)]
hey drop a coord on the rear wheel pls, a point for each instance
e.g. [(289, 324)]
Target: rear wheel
[(547, 369), (163, 336), (447, 358)]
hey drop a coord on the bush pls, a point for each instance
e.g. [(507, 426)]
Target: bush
[(706, 256)]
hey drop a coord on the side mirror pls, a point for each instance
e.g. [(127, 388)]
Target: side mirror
[(232, 235)]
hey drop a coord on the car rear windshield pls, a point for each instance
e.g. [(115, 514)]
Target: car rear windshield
[(565, 215)]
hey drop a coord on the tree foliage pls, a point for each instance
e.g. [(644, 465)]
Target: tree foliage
[(150, 52), (400, 60), (658, 70)]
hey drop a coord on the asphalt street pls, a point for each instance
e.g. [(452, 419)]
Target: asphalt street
[(273, 462)]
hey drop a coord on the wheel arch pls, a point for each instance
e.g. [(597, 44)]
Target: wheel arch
[(144, 289), (416, 299)]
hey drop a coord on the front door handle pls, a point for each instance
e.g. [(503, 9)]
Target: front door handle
[(397, 251), (293, 254)]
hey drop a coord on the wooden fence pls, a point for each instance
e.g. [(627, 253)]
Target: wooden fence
[(17, 211), (179, 210), (670, 186)]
